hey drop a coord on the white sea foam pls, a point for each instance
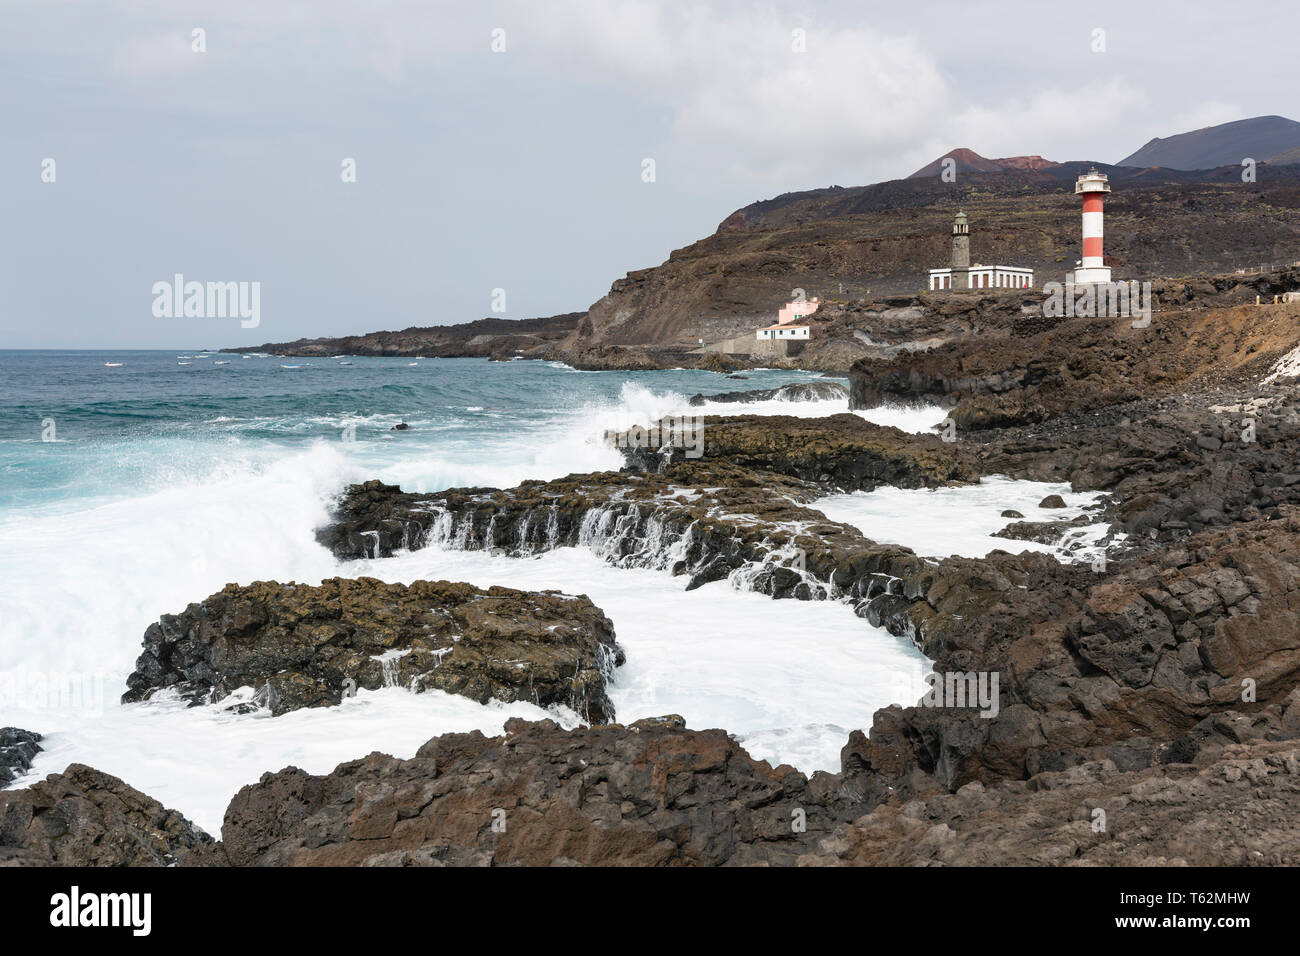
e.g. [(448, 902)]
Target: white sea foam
[(789, 678), (961, 520), (918, 419), (173, 519)]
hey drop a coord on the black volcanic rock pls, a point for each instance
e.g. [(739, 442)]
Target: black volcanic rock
[(483, 338), (841, 452), (302, 646), (794, 392), (17, 748)]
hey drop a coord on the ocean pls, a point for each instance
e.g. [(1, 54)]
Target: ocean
[(130, 490)]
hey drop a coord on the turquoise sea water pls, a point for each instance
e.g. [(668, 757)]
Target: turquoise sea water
[(123, 430)]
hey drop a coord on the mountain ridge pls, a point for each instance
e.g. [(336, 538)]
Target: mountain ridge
[(1262, 138)]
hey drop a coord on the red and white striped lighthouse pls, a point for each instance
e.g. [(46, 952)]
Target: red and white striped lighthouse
[(1093, 186)]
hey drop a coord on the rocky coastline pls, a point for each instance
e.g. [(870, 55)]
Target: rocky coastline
[(300, 646), (1158, 685)]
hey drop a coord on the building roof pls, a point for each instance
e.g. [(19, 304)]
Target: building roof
[(977, 266), (787, 325)]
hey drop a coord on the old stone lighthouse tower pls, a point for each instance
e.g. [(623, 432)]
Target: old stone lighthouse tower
[(962, 275), (960, 252)]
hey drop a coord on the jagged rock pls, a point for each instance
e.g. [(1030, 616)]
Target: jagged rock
[(1161, 485), (1238, 810), (302, 646), (705, 520), (839, 452), (1086, 661), (83, 817), (17, 748), (653, 794), (1052, 501), (794, 392), (718, 362), (1042, 532), (1125, 662), (1014, 372), (657, 794)]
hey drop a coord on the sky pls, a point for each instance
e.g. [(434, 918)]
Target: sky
[(514, 157)]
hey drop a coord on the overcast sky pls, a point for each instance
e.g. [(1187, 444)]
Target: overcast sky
[(522, 170)]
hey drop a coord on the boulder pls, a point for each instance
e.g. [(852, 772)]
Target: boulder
[(302, 646), (17, 748), (83, 817), (652, 794)]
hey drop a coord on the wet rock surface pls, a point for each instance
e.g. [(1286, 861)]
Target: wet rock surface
[(1165, 479), (1131, 662), (302, 646), (1140, 657), (836, 453), (705, 520), (794, 392), (17, 748)]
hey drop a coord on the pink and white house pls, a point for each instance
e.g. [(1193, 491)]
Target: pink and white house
[(789, 321)]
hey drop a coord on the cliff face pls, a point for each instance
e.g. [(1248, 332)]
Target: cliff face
[(842, 244)]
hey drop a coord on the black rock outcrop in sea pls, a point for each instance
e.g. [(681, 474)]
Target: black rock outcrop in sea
[(17, 748), (301, 646)]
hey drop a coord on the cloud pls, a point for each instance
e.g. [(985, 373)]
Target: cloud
[(737, 80), (1059, 121), (1207, 113), (157, 54), (861, 101)]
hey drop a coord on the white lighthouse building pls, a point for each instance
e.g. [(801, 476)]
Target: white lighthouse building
[(1092, 186), (962, 275)]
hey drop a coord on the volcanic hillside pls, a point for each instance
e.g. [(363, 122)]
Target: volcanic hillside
[(872, 241), (1266, 139)]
